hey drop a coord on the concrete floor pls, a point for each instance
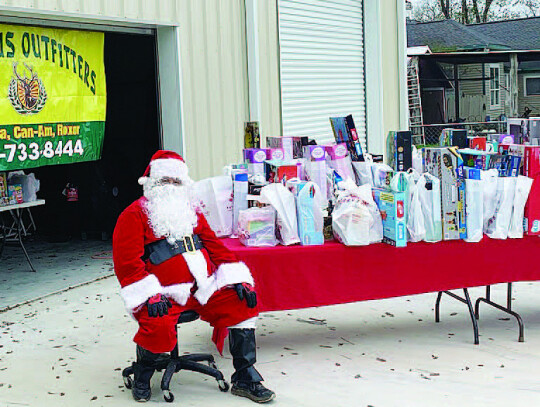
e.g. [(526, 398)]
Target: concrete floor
[(68, 349)]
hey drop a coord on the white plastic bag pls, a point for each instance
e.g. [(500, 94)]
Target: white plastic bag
[(499, 225), (428, 189), (356, 219), (282, 200), (213, 197), (474, 209), (362, 170), (417, 160), (382, 175), (29, 184), (489, 182), (523, 187), (415, 218), (257, 227)]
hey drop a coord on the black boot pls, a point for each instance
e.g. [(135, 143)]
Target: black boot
[(143, 370), (246, 379)]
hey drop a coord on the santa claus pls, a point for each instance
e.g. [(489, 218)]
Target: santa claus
[(168, 260)]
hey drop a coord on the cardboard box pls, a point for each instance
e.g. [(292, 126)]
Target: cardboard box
[(530, 158), (446, 164), (15, 194), (275, 154), (292, 146), (315, 160), (255, 157), (345, 132), (3, 185), (252, 138), (454, 138), (279, 171), (475, 158), (399, 150), (393, 209)]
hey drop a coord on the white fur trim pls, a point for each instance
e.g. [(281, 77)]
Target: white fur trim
[(142, 180), (204, 292), (137, 293), (168, 167), (233, 273), (198, 267), (178, 292), (250, 323)]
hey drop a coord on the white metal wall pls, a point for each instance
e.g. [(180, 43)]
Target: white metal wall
[(322, 66)]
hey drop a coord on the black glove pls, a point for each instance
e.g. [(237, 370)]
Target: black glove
[(158, 305), (245, 291)]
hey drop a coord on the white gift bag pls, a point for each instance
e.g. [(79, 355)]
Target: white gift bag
[(282, 200), (523, 187), (428, 189), (499, 225), (474, 209), (213, 197), (489, 183), (356, 219)]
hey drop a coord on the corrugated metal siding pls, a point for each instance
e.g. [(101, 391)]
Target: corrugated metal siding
[(269, 69), (145, 10), (214, 60), (532, 102)]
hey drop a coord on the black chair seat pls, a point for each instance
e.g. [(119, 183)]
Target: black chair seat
[(188, 316)]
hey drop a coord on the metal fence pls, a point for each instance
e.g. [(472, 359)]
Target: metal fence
[(429, 134)]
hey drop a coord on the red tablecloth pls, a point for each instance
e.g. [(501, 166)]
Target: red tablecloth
[(307, 276)]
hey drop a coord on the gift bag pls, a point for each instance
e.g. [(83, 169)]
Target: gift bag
[(428, 189), (474, 209), (489, 188), (356, 219), (213, 197), (282, 200), (310, 215), (523, 188), (362, 170), (257, 227), (499, 225)]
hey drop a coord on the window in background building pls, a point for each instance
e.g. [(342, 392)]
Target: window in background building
[(532, 85), (494, 85)]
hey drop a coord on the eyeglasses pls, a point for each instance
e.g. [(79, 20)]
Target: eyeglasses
[(169, 181)]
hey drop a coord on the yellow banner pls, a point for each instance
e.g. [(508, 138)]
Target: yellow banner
[(51, 76)]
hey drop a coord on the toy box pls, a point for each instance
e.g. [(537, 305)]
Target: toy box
[(478, 143), (345, 132), (255, 157), (446, 164), (15, 194), (292, 146), (339, 160), (279, 171), (453, 138), (252, 138), (392, 207), (3, 185), (530, 158), (275, 154), (399, 150), (475, 158)]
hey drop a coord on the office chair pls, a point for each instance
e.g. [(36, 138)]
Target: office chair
[(186, 362)]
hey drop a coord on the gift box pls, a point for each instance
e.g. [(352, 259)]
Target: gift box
[(252, 138), (279, 171), (276, 154), (454, 138), (399, 150), (393, 209), (292, 146), (446, 164)]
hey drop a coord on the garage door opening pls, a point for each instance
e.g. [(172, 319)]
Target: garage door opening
[(132, 135)]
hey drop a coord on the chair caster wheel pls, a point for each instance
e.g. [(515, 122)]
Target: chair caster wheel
[(223, 386), (128, 382), (168, 396)]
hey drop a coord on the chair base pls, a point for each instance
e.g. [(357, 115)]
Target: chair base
[(176, 363)]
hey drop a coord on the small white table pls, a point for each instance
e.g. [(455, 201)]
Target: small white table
[(16, 212)]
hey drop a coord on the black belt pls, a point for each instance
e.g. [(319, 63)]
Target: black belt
[(162, 250)]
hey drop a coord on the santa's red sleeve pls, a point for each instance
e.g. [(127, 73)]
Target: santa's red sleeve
[(228, 269), (128, 247)]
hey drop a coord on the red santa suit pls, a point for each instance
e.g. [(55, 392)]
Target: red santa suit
[(193, 280)]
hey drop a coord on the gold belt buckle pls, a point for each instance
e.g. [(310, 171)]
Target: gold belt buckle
[(189, 239)]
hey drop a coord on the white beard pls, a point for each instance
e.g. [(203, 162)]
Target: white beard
[(169, 210)]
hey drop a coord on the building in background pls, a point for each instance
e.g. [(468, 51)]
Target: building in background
[(186, 75)]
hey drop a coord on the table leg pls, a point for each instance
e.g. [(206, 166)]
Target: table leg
[(507, 309), (19, 214), (466, 300)]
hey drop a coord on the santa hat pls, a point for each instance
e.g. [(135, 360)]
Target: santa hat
[(165, 163)]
